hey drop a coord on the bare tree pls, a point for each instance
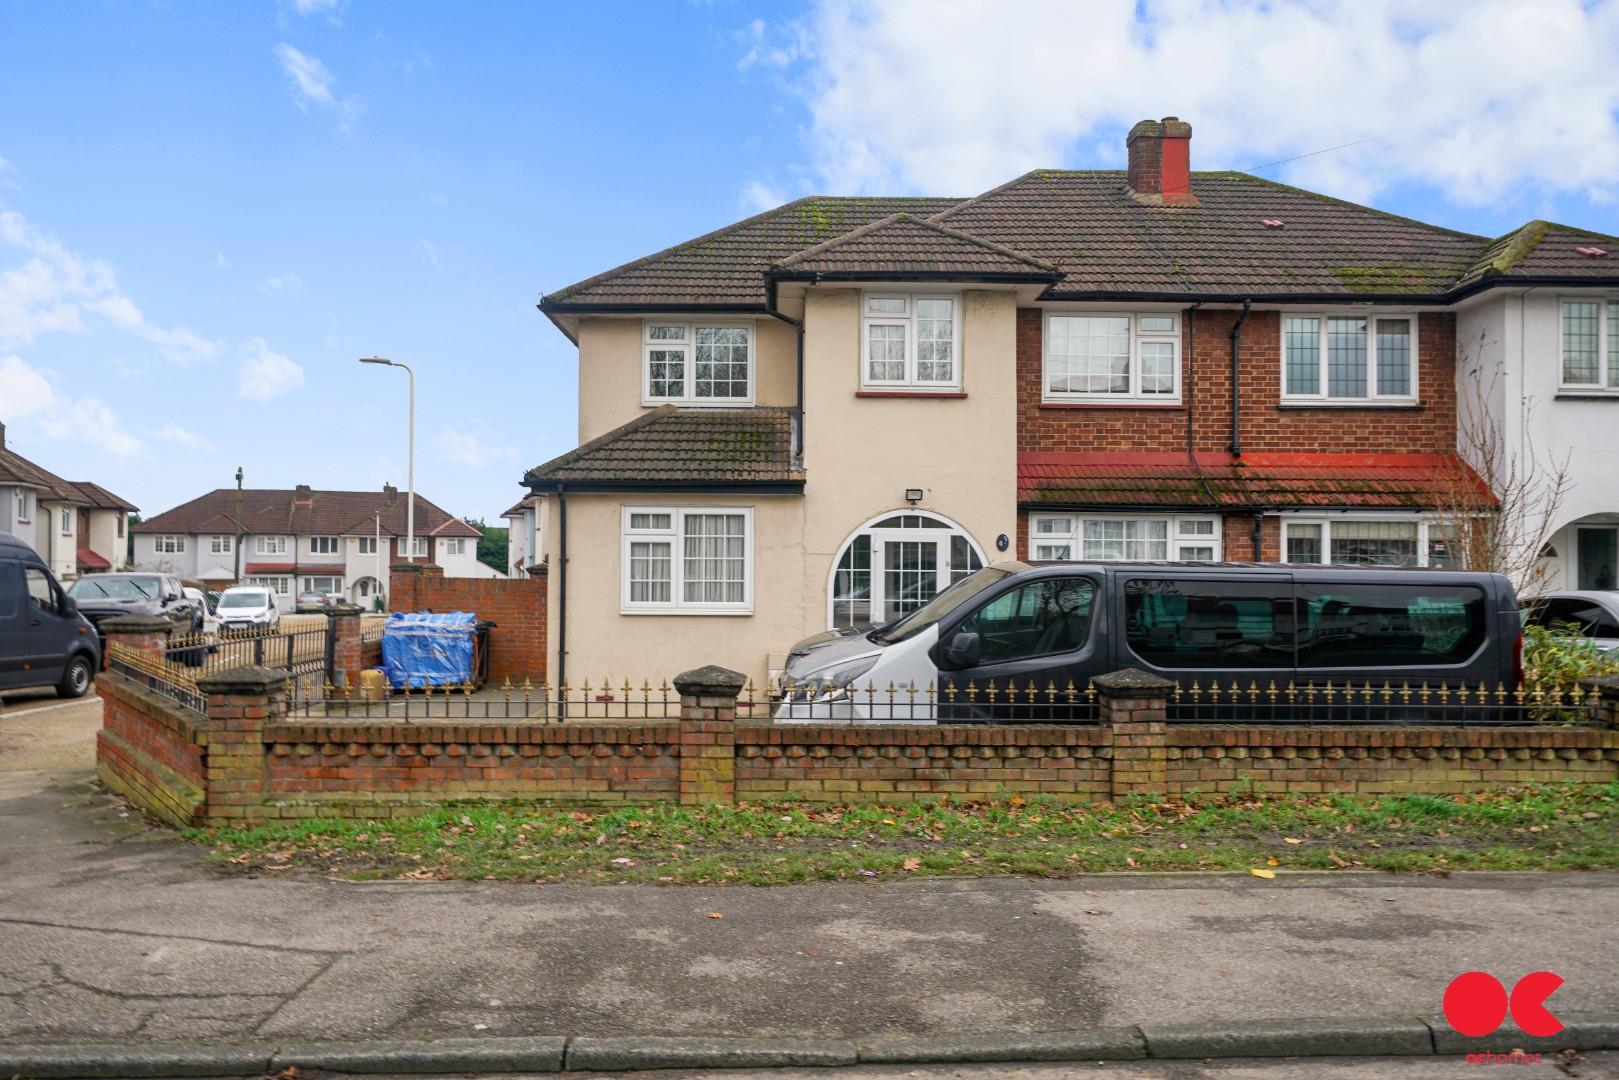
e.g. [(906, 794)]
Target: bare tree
[(1501, 502)]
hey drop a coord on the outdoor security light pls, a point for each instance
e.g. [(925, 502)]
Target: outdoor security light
[(913, 495)]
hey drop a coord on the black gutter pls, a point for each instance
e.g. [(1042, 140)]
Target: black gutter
[(700, 487), (1236, 396), (1411, 299), (563, 307), (798, 409)]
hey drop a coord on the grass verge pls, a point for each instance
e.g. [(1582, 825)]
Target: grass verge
[(1542, 827)]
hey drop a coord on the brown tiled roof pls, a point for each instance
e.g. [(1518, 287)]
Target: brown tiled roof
[(16, 469), (1105, 241), (901, 244), (1272, 481), (1547, 249), (305, 513), (726, 267), (670, 447)]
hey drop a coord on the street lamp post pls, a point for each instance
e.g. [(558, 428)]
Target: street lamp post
[(410, 460)]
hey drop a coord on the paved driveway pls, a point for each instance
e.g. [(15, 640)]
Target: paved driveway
[(110, 929)]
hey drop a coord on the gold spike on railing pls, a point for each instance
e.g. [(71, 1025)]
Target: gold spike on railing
[(911, 693), (972, 692), (950, 693), (1214, 691), (1051, 691), (1270, 692), (1195, 692), (933, 691), (1253, 693), (989, 692), (1327, 693), (1443, 693)]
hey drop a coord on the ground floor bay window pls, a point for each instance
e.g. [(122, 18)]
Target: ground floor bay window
[(894, 564), (1123, 538), (1365, 541)]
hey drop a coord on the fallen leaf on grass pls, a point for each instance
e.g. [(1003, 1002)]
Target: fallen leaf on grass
[(621, 861), (716, 915), (911, 864), (1291, 840), (1338, 862), (1272, 862), (1266, 874)]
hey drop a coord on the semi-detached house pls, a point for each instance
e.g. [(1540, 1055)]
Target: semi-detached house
[(823, 415), (298, 539), (77, 527)]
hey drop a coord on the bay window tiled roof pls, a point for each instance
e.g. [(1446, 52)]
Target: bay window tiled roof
[(673, 447)]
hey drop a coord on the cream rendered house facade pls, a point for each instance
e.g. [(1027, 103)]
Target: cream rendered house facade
[(819, 417)]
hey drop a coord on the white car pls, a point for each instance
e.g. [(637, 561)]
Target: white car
[(1594, 613), (210, 621), (244, 608)]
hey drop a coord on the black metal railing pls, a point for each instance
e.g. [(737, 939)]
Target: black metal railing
[(176, 682), (1403, 703), (297, 652)]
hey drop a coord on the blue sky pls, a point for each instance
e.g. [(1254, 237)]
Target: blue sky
[(208, 211)]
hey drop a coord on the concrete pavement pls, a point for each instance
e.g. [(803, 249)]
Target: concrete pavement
[(114, 932)]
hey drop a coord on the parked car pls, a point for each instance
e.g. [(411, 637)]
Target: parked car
[(44, 639), (1592, 614), (101, 596), (210, 621), (1193, 623), (247, 608), (314, 600)]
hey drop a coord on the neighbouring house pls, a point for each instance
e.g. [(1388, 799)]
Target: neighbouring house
[(524, 529), (76, 526), (298, 539), (823, 415)]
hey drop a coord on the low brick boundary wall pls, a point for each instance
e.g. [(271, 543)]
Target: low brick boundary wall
[(245, 760), (151, 750)]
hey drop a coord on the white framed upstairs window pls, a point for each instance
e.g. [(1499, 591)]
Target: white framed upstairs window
[(1126, 358), (269, 545), (323, 545), (366, 545), (67, 522), (687, 560), (169, 544), (1590, 337), (910, 341), (697, 363), (1349, 358), (219, 545), (418, 547), (1111, 538), (455, 545), (24, 505)]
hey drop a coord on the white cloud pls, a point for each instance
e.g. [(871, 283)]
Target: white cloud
[(30, 398), (770, 47), (1473, 99), (428, 249), (54, 290), (465, 447), (179, 436), (266, 374), (312, 85), (310, 7), (758, 196), (282, 283)]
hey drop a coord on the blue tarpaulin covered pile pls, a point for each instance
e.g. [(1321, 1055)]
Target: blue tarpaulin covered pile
[(426, 649)]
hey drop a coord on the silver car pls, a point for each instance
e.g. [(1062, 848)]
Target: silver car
[(1594, 611)]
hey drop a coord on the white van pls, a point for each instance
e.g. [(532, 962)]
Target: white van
[(247, 608)]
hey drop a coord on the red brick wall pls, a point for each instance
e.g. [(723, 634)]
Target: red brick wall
[(150, 750), (904, 764), (516, 605), (1266, 425), (322, 768)]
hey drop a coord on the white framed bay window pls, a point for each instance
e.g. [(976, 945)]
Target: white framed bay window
[(1092, 537), (1349, 358), (684, 560), (1117, 358), (1359, 540), (697, 363), (910, 341)]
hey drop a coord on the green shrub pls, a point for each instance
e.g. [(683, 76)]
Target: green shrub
[(1556, 657)]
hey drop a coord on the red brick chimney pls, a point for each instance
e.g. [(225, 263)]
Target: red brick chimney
[(1160, 172), (302, 496)]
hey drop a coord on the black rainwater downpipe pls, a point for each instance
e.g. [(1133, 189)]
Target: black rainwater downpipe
[(562, 596), (1186, 391), (1259, 516), (798, 409), (1236, 394)]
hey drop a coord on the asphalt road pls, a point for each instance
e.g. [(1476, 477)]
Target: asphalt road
[(112, 930)]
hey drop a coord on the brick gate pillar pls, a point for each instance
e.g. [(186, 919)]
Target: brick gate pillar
[(1133, 709), (343, 629), (708, 734), (241, 702), (145, 635)]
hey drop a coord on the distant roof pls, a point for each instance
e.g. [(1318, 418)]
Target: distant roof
[(16, 469), (1247, 237), (304, 512), (1255, 481), (669, 447)]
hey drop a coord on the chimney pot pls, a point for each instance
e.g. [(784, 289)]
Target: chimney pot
[(2, 436), (1160, 162)]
